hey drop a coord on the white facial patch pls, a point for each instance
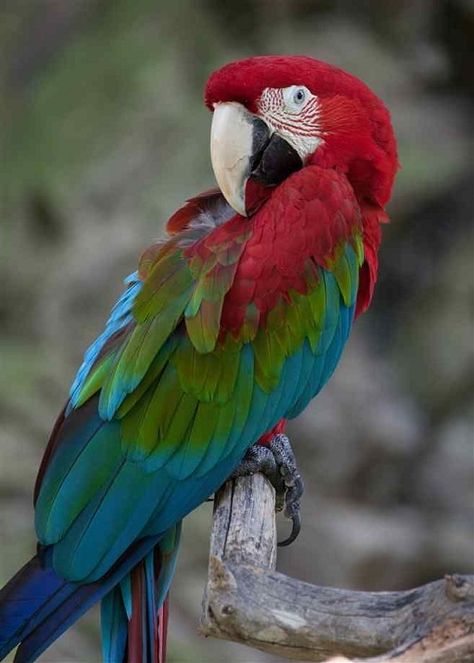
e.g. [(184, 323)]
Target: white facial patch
[(293, 113), (304, 145)]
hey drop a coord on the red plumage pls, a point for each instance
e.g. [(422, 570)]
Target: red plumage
[(358, 141), (312, 212), (137, 621)]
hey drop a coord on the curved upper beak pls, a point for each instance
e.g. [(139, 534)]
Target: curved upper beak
[(242, 147), (236, 136)]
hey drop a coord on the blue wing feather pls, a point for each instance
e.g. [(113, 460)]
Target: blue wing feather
[(120, 317)]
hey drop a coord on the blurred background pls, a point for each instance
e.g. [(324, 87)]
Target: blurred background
[(104, 134)]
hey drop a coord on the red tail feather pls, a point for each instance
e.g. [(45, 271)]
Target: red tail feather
[(145, 646), (136, 624), (162, 632)]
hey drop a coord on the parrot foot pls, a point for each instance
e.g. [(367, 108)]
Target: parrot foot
[(277, 462)]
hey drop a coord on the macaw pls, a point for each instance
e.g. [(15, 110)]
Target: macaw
[(231, 324)]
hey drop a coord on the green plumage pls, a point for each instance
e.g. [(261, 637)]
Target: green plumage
[(160, 360)]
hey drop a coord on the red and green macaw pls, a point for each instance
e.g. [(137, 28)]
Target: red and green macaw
[(231, 325)]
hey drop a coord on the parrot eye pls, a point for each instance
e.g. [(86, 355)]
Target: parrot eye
[(299, 96), (295, 97)]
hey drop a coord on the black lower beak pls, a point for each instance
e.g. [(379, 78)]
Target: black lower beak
[(273, 158)]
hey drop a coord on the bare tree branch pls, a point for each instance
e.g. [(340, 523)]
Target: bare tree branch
[(247, 601)]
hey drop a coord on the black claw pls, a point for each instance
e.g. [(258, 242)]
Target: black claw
[(277, 462), (295, 530), (279, 500), (293, 494)]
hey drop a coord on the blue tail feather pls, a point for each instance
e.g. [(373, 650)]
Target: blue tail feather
[(117, 609), (37, 606), (24, 599), (114, 626), (84, 597)]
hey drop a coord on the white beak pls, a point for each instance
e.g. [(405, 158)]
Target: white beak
[(231, 149)]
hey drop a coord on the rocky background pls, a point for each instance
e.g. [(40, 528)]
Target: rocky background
[(104, 134)]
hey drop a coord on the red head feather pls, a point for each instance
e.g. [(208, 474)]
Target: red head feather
[(356, 128)]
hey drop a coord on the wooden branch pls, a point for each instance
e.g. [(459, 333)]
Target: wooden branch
[(247, 601)]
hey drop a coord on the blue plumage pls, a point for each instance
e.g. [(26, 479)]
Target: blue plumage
[(120, 317), (114, 625), (37, 605)]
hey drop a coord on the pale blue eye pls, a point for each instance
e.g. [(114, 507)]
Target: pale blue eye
[(295, 98), (299, 96)]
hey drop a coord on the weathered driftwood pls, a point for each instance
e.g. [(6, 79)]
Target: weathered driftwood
[(247, 601)]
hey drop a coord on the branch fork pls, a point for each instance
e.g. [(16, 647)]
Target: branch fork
[(247, 601)]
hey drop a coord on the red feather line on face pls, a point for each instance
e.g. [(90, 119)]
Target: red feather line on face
[(271, 106)]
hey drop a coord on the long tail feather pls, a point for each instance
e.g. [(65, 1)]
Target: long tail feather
[(138, 627), (31, 594), (37, 606), (134, 616), (161, 640), (114, 626)]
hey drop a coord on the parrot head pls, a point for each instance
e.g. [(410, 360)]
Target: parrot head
[(273, 115)]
